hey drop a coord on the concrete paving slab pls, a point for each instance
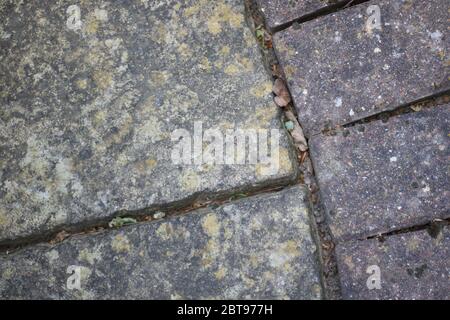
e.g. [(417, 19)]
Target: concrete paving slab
[(340, 68), (384, 176), (260, 248), (410, 266), (92, 93)]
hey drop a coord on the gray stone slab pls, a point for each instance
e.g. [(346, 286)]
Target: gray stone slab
[(339, 71), (411, 266), (279, 12), (383, 176), (87, 113), (259, 247)]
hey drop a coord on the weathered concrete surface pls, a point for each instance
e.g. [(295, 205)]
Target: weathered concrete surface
[(259, 247), (339, 70), (412, 266), (379, 177), (87, 113), (279, 12)]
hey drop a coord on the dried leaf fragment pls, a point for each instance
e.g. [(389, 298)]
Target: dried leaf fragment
[(283, 98)]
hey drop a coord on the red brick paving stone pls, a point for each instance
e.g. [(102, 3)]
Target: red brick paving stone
[(280, 12), (413, 265), (379, 177), (338, 72)]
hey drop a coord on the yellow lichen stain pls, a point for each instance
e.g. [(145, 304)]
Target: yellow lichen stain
[(91, 25), (265, 115), (317, 290), (283, 254), (211, 225), (121, 244), (184, 51), (289, 71), (214, 26), (262, 89), (102, 78), (190, 11), (225, 51), (159, 77), (146, 165), (123, 131), (232, 70), (160, 32), (290, 247), (210, 253), (89, 256), (413, 244), (8, 274), (205, 64), (228, 233), (3, 218), (99, 118), (190, 181), (349, 262), (165, 231), (221, 273), (223, 13), (285, 160), (246, 63), (254, 260), (282, 47), (82, 84)]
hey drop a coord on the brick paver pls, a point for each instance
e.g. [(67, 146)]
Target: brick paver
[(382, 176), (414, 265), (339, 70)]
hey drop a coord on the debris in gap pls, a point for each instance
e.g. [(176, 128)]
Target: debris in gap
[(289, 125), (120, 222), (276, 71), (159, 215), (283, 98), (297, 133), (60, 236), (264, 38)]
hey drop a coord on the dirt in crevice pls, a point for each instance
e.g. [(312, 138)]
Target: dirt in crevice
[(330, 278), (143, 216)]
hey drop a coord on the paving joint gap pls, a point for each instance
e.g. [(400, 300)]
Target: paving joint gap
[(433, 228), (415, 106), (322, 233), (319, 13), (429, 102), (141, 216)]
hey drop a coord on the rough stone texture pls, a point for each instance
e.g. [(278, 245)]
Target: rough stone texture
[(412, 266), (383, 176), (339, 71), (86, 115), (259, 247), (279, 12)]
